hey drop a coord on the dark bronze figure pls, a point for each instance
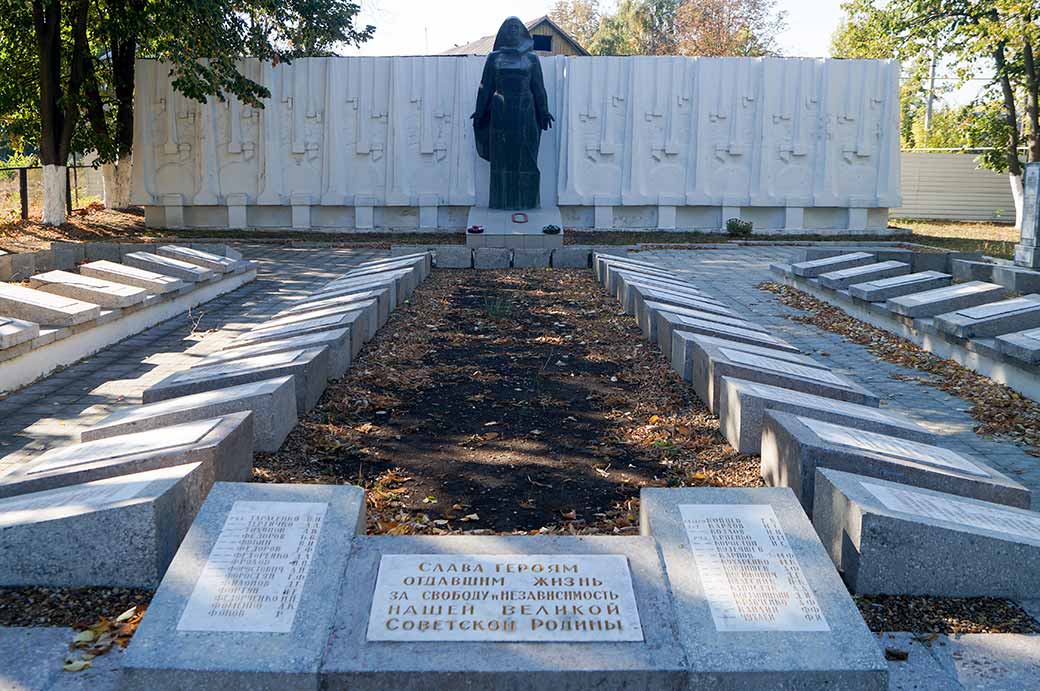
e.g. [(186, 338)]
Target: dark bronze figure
[(512, 110)]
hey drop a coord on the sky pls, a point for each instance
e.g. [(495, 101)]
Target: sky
[(428, 27)]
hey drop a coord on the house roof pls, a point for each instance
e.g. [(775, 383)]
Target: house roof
[(483, 46)]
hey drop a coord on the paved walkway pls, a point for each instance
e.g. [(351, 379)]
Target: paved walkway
[(732, 274), (52, 411)]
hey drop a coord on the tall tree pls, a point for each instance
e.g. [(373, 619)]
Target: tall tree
[(996, 38), (84, 62), (579, 18), (747, 28)]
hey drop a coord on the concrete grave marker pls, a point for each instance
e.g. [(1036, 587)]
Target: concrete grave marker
[(353, 320), (635, 296), (337, 340), (683, 329), (207, 260), (128, 275), (1021, 345), (16, 331), (500, 577), (368, 308), (650, 322), (169, 267), (992, 319), (793, 447), (883, 289), (891, 538), (404, 280), (812, 269), (309, 368), (223, 444), (122, 531), (272, 402), (383, 296), (378, 287), (44, 308), (668, 322), (749, 574), (929, 303), (249, 598), (89, 289), (541, 612), (840, 280), (742, 407)]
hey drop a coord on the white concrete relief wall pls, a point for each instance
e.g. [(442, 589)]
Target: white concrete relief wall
[(363, 142)]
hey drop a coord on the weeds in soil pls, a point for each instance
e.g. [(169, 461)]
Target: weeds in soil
[(498, 308)]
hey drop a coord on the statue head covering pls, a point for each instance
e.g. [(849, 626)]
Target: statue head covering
[(513, 36)]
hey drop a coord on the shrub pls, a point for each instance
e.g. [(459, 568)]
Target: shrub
[(739, 228)]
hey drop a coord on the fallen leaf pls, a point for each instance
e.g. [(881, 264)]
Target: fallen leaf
[(76, 665)]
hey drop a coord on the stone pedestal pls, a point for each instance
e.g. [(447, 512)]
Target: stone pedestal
[(1027, 253), (514, 229)]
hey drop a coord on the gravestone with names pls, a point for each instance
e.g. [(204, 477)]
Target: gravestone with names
[(121, 273), (117, 532), (338, 342), (992, 319), (97, 291), (1021, 345), (637, 294), (619, 277), (815, 267), (44, 308), (883, 289), (841, 280), (793, 447), (930, 303), (207, 260), (355, 286), (653, 322), (354, 320), (272, 402), (601, 260), (369, 310), (222, 445), (756, 595), (492, 612), (169, 267), (900, 540), (743, 404), (1027, 251), (14, 332), (383, 296), (404, 280), (309, 368), (249, 599), (670, 323)]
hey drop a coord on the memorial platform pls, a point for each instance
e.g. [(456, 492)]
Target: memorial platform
[(515, 230)]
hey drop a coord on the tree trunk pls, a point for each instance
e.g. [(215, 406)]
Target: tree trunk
[(1032, 110), (1017, 192), (47, 24), (54, 195), (1011, 116), (116, 177)]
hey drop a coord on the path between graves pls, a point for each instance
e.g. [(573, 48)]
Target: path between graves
[(508, 401)]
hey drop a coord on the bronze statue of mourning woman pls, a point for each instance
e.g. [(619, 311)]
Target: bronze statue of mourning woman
[(511, 113)]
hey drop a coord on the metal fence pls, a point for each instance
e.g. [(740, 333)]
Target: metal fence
[(21, 190)]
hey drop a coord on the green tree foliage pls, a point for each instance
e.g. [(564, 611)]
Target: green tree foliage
[(579, 18)]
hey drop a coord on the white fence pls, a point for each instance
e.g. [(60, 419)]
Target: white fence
[(950, 186)]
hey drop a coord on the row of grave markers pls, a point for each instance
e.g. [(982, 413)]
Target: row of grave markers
[(887, 498), (113, 509)]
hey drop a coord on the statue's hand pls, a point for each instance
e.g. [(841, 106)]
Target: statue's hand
[(548, 121)]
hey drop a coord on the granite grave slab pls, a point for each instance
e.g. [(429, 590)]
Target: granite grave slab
[(309, 368), (171, 267), (405, 280), (207, 260), (758, 602), (337, 340), (272, 402), (97, 291), (128, 275), (743, 404), (667, 322), (901, 540), (992, 319), (384, 297), (683, 329), (16, 331), (353, 320), (118, 532), (44, 308), (840, 280), (249, 599), (793, 447), (815, 267), (885, 288), (929, 303), (661, 319), (492, 612), (1021, 345), (369, 310), (635, 295), (223, 444)]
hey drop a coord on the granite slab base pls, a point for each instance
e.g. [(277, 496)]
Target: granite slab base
[(815, 267), (118, 532), (167, 266), (231, 615), (131, 276), (899, 540), (930, 303), (992, 319), (385, 298), (1021, 345), (883, 289), (223, 445), (743, 404), (357, 322), (272, 402), (793, 447), (841, 280), (758, 602), (389, 646), (338, 341), (682, 328)]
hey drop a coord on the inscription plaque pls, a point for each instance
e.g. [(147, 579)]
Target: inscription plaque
[(521, 597), (834, 406), (999, 308), (901, 280), (751, 577), (783, 366), (892, 446), (255, 573), (1017, 523), (56, 503)]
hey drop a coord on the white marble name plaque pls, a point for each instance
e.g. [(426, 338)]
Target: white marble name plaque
[(751, 577), (997, 309), (834, 406), (901, 280), (892, 446), (125, 446), (783, 366), (253, 579), (1018, 523), (547, 598)]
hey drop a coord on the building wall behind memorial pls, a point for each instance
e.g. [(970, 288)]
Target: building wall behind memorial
[(640, 142)]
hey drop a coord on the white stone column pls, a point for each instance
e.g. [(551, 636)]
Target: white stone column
[(1027, 253)]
